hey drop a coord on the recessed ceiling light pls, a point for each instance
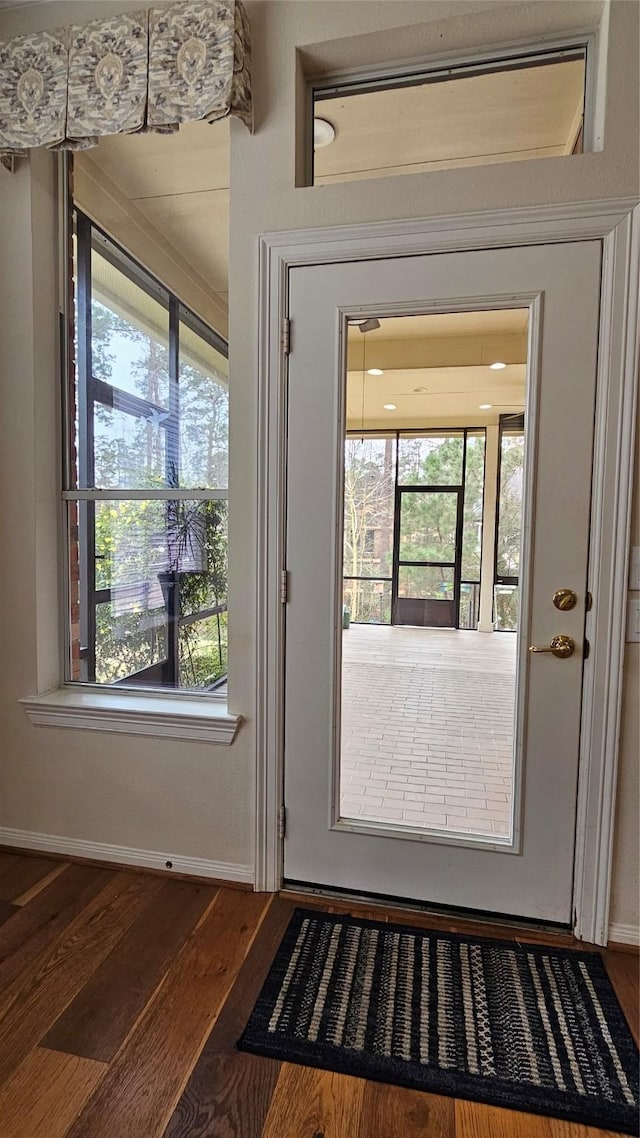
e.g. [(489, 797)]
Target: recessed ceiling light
[(390, 407), (497, 366), (485, 406), (324, 133), (375, 371)]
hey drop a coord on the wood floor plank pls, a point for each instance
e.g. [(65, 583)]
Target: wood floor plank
[(43, 883), (308, 1102), (29, 934), (98, 1020), (388, 1111), (69, 964), (477, 1120), (229, 1091), (45, 1093), (145, 1080), (21, 875), (6, 911), (7, 858), (624, 972)]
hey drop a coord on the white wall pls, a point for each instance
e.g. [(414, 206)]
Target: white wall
[(196, 799)]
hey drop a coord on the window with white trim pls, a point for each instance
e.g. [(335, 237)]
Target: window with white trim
[(146, 483)]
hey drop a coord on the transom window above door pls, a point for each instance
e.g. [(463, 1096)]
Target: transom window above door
[(514, 107)]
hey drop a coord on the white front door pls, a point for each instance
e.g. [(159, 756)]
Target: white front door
[(523, 868)]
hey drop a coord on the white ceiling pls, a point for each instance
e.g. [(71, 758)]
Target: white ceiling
[(444, 395), (180, 184)]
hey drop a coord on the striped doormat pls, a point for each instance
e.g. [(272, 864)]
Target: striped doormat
[(523, 1026)]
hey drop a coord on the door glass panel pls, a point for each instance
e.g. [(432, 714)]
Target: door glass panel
[(428, 522), (428, 700)]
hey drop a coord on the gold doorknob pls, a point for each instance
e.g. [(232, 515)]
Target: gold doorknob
[(560, 646), (565, 599)]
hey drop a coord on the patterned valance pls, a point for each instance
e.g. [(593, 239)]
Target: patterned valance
[(143, 71)]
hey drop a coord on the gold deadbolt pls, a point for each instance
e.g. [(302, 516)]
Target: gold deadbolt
[(565, 599), (560, 646)]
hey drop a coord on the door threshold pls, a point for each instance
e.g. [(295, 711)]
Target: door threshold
[(425, 908)]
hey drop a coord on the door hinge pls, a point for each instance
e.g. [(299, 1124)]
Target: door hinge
[(285, 336), (586, 649), (282, 822), (284, 586)]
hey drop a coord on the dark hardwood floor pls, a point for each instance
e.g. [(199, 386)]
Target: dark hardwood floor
[(122, 995)]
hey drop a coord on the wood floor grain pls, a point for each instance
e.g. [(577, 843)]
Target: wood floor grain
[(98, 1020), (6, 911), (477, 1120), (68, 966), (143, 1084), (33, 929), (388, 1110), (122, 996), (229, 1091), (307, 1103), (19, 877), (45, 1093)]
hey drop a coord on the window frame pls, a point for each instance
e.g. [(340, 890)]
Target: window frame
[(436, 69), (81, 384)]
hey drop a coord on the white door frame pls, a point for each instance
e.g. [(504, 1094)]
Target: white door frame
[(617, 225)]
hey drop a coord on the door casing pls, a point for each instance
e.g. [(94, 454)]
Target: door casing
[(617, 225)]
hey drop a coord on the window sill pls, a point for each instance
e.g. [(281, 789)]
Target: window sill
[(161, 716)]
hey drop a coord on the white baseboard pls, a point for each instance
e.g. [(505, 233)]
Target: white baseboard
[(126, 855), (625, 934)]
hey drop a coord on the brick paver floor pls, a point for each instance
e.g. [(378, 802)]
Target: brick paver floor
[(427, 727)]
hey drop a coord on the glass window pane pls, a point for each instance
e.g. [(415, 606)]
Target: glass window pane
[(469, 606), (369, 488), (128, 641), (129, 450), (129, 334), (473, 505), (428, 521), (203, 648), (367, 602), (204, 413), (511, 111), (434, 460), (141, 571), (510, 503), (430, 583)]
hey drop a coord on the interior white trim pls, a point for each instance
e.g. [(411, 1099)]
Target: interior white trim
[(125, 855), (615, 223), (163, 716), (625, 934)]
